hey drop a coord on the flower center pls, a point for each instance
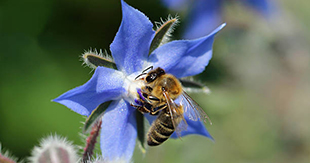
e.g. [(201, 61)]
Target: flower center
[(132, 86)]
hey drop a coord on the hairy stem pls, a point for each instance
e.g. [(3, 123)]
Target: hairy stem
[(91, 142)]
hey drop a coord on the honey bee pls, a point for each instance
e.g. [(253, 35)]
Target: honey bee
[(157, 98)]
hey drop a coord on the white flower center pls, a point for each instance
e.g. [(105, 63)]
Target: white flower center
[(132, 86)]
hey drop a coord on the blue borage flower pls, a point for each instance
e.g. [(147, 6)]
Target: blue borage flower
[(116, 88), (204, 15)]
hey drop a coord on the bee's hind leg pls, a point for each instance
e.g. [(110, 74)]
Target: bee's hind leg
[(155, 111)]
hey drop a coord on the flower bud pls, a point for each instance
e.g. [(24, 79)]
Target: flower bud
[(54, 149)]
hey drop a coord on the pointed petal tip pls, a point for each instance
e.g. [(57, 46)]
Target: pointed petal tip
[(223, 25), (135, 29), (217, 29), (211, 138), (56, 99), (207, 134), (123, 2), (76, 107)]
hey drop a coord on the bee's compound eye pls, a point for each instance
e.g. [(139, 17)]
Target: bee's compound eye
[(148, 79), (151, 77)]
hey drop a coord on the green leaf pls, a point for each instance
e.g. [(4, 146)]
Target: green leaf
[(95, 60), (141, 131), (193, 86), (162, 34), (95, 116)]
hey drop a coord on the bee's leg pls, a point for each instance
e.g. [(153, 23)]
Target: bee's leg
[(155, 111), (139, 102), (153, 98), (143, 96), (141, 109)]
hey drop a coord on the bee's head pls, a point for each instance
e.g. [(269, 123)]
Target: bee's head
[(154, 74)]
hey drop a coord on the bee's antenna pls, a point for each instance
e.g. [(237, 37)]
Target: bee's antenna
[(144, 72), (151, 67), (140, 75)]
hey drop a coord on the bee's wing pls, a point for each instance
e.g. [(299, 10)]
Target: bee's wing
[(192, 109), (176, 112), (182, 124)]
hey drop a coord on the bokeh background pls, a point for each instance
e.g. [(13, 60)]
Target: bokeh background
[(259, 78)]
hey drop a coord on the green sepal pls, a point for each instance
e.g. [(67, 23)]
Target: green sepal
[(95, 116), (191, 84), (162, 32), (141, 131), (97, 60)]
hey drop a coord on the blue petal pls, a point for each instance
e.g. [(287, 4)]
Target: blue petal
[(150, 118), (175, 4), (106, 84), (194, 127), (184, 57), (132, 42), (119, 132), (204, 16)]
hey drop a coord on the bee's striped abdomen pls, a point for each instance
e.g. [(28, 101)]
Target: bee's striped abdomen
[(161, 129)]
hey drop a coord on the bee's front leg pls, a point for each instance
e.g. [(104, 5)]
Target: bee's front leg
[(141, 109), (143, 96)]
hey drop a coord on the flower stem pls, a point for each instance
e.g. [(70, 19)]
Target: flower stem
[(91, 141)]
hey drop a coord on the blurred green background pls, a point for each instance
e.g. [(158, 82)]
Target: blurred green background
[(259, 78)]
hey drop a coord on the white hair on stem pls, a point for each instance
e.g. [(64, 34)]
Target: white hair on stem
[(168, 34)]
